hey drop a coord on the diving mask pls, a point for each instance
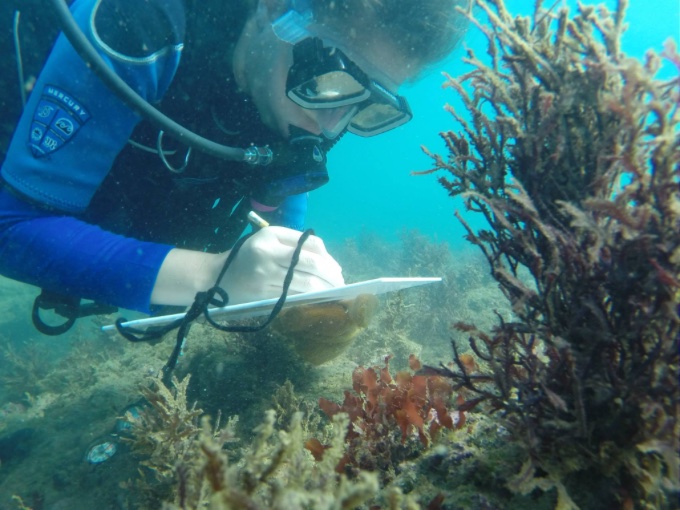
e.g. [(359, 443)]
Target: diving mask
[(324, 78)]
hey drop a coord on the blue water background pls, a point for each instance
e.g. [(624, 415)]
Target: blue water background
[(371, 186)]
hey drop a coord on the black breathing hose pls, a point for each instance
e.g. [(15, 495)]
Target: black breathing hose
[(68, 25)]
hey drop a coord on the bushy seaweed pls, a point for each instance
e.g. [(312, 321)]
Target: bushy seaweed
[(189, 464), (572, 155), (391, 418)]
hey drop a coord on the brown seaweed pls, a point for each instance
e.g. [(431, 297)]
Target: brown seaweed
[(572, 155)]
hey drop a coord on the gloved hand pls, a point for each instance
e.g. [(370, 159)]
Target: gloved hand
[(261, 264)]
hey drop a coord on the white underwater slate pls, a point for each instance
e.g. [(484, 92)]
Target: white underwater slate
[(264, 307)]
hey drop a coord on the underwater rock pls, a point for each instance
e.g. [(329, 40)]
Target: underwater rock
[(320, 333), (16, 445)]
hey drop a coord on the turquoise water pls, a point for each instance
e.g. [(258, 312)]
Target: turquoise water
[(371, 185)]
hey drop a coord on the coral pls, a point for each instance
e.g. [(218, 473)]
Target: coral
[(572, 156), (389, 417)]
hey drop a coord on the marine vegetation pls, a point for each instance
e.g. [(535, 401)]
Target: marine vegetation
[(275, 471), (391, 418), (572, 155), (164, 432)]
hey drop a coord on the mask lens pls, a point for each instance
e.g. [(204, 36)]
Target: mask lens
[(329, 90), (377, 118), (340, 93), (333, 121)]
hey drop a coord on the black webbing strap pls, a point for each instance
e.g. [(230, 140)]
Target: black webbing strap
[(200, 307), (68, 307)]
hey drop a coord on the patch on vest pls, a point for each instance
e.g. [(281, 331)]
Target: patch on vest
[(56, 120)]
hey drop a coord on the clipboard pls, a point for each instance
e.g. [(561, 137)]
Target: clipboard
[(264, 307)]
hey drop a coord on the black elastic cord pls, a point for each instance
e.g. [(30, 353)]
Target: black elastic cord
[(200, 306)]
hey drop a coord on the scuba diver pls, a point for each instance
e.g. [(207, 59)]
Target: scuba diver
[(98, 202)]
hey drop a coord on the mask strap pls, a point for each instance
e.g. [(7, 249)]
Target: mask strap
[(291, 27)]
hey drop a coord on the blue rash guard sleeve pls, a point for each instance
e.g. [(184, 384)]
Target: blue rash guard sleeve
[(67, 256), (71, 130), (73, 126)]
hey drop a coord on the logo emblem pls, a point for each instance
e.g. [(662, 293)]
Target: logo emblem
[(56, 120)]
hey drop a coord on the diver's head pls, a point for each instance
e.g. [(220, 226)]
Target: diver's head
[(326, 66)]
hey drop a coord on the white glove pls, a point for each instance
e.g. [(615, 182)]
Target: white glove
[(261, 265)]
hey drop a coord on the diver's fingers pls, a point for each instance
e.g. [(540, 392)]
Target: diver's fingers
[(318, 269), (311, 283), (289, 237), (314, 258)]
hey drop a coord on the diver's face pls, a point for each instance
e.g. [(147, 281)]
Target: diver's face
[(262, 62)]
